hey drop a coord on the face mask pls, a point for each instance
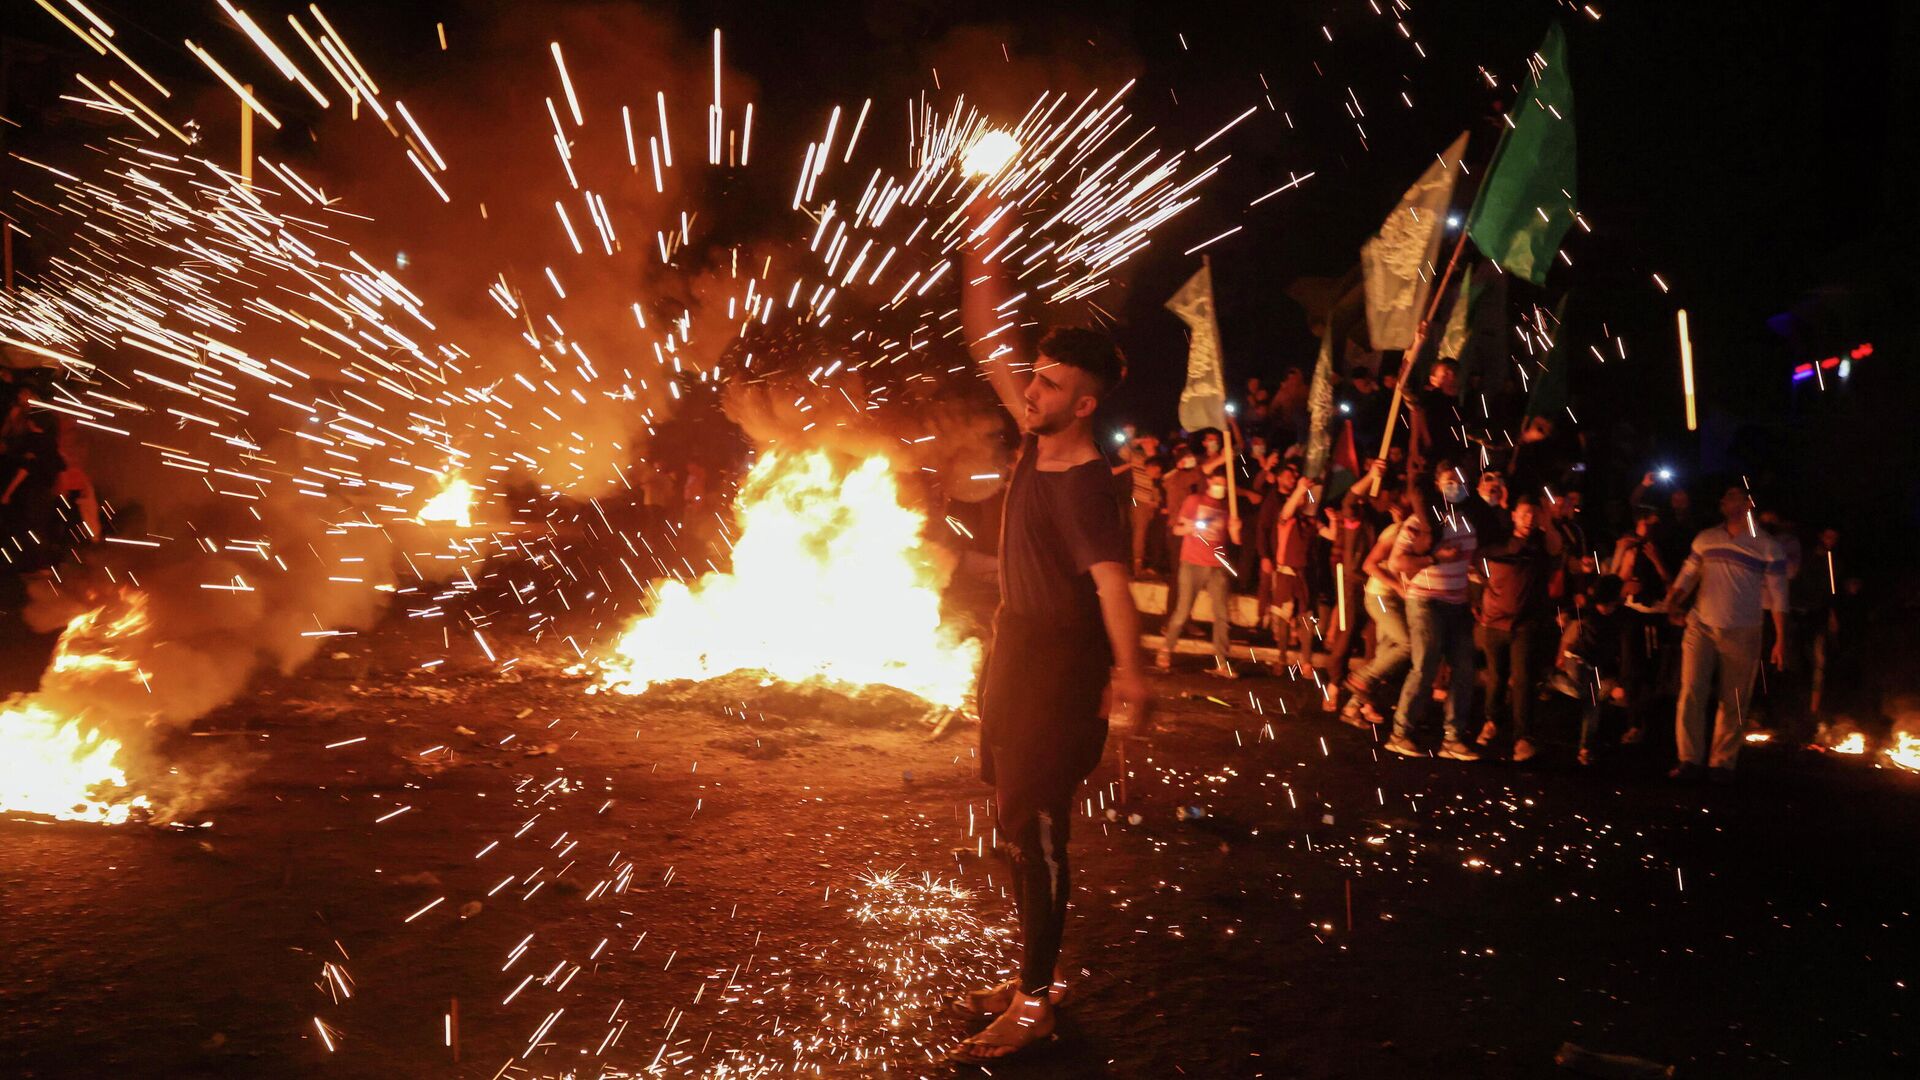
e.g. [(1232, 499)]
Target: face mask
[(1453, 493), (1218, 491)]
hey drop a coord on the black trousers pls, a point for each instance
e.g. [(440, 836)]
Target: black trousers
[(1041, 882), (1515, 660)]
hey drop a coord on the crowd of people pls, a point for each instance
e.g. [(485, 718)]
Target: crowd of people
[(1465, 573)]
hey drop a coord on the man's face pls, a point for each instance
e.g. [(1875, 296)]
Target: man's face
[(1523, 516), (1680, 500), (1057, 396), (1493, 488), (1287, 480), (1829, 538), (1444, 379), (1211, 444), (1734, 505), (1364, 384), (1259, 449)]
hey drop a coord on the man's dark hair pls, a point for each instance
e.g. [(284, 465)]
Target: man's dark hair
[(1360, 373), (1604, 590), (1090, 351)]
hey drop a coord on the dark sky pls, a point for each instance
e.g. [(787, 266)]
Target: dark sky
[(1754, 155)]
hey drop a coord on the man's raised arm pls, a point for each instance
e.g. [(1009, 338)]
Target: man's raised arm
[(986, 295)]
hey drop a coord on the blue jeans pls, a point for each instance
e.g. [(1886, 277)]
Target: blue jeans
[(1392, 651), (1193, 578), (1441, 632)]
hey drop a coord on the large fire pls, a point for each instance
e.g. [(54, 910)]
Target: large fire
[(832, 583), (57, 765), (453, 505)]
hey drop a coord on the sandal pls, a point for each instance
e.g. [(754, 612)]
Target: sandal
[(1013, 1033)]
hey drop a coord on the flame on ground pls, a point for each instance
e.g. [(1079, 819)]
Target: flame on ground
[(57, 765), (1905, 751), (1854, 743), (454, 504), (831, 584)]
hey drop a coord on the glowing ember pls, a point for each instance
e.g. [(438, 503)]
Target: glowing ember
[(990, 153), (1854, 743), (58, 766), (1758, 737), (1906, 751), (454, 504), (831, 583)]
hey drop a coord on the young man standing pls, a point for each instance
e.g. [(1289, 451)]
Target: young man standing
[(1432, 553), (1205, 528), (1516, 630), (1739, 571), (1065, 627)]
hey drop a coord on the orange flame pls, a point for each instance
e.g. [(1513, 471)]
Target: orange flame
[(1905, 751), (454, 503), (831, 584), (58, 766)]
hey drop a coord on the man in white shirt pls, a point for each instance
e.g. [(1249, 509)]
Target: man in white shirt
[(1738, 571)]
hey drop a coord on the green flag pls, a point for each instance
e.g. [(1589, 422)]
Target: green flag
[(1477, 328), (1526, 202), (1553, 388)]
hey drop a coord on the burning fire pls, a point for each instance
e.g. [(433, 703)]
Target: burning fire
[(831, 583), (1854, 743), (1906, 751), (454, 504), (57, 765)]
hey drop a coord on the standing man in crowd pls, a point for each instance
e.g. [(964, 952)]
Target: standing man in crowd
[(1066, 626), (1437, 424), (1738, 572), (1205, 528), (1184, 479), (1143, 481), (1435, 546), (1516, 631)]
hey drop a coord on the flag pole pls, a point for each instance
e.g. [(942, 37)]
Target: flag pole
[(1413, 350), (1433, 307), (1226, 421)]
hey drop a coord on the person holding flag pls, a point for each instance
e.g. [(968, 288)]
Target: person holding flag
[(1522, 211), (1206, 523)]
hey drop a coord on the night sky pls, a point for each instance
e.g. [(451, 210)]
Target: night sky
[(1751, 156)]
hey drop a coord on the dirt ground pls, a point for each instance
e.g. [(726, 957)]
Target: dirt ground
[(773, 886)]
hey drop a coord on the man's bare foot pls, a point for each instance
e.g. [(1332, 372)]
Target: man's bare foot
[(1028, 1021), (994, 1000)]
